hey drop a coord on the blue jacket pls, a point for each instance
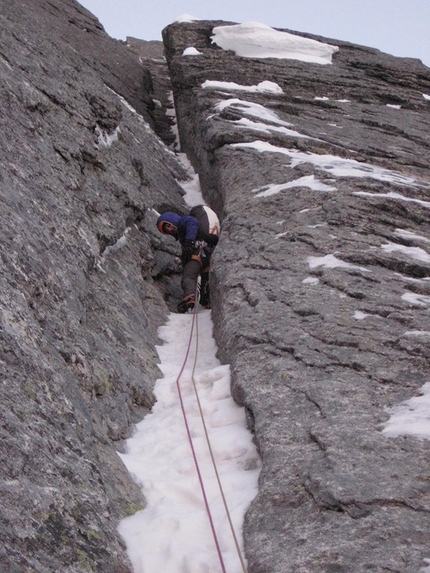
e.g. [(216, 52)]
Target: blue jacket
[(187, 225)]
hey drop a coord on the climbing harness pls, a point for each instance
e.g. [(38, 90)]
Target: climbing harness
[(194, 324), (201, 254)]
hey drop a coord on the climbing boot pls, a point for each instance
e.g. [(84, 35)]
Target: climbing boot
[(187, 303), (205, 296)]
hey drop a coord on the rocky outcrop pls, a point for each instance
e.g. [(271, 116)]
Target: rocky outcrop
[(83, 283), (318, 292), (151, 55), (318, 285)]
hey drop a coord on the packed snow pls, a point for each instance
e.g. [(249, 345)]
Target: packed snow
[(394, 195), (264, 128), (191, 51), (175, 533), (311, 281), (336, 166), (358, 315), (325, 98), (332, 262), (416, 299), (419, 333), (256, 40), (411, 417), (185, 18), (412, 252), (253, 109), (172, 534), (262, 87), (308, 181), (405, 234), (258, 111), (191, 186)]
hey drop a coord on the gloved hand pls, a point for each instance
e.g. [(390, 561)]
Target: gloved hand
[(187, 251), (211, 240)]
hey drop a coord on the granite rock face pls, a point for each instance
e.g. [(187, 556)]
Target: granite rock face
[(70, 41), (83, 283), (321, 289), (151, 54), (322, 295)]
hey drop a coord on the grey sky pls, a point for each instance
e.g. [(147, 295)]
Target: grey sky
[(398, 27)]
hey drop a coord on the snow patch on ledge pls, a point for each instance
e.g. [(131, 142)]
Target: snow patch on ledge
[(256, 40), (185, 18), (253, 109), (262, 87), (416, 299), (332, 262), (411, 417), (419, 333), (416, 253), (405, 234), (308, 181), (359, 315), (336, 166), (311, 281), (191, 51)]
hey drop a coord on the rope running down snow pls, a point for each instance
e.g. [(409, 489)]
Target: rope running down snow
[(196, 463), (239, 552)]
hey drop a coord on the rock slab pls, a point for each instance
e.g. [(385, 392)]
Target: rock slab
[(318, 290), (84, 283)]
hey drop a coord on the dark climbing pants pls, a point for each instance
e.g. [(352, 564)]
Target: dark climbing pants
[(190, 276), (191, 271)]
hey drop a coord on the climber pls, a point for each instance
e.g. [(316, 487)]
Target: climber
[(198, 234)]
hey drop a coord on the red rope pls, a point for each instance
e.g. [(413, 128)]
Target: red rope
[(208, 442), (208, 511)]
